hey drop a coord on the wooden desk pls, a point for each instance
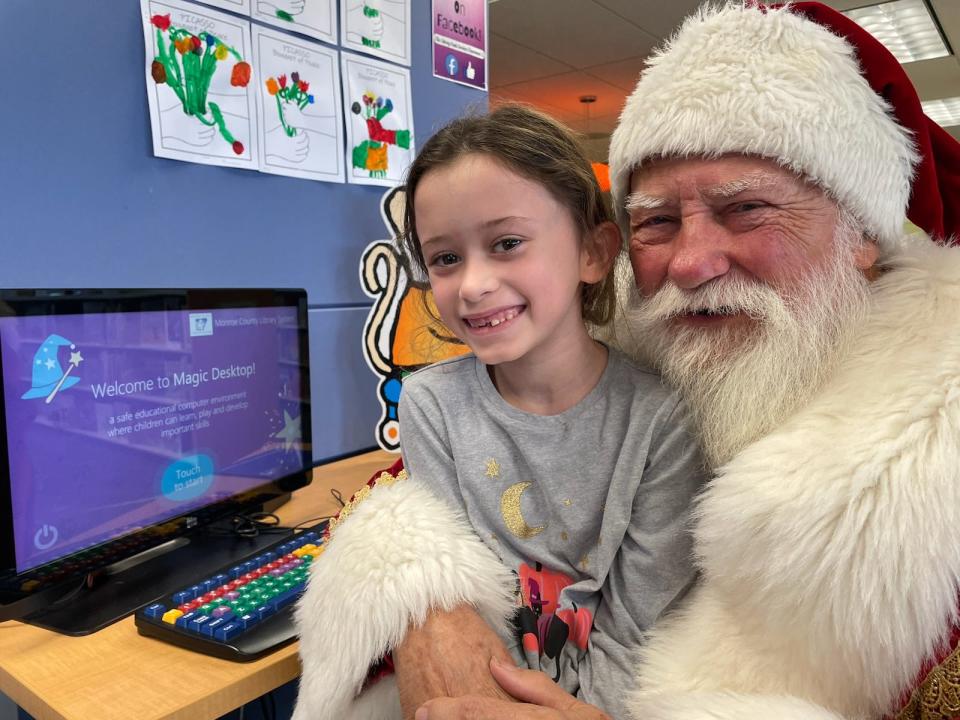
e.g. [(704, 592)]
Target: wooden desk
[(116, 673)]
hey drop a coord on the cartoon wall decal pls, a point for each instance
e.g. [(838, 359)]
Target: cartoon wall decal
[(402, 333)]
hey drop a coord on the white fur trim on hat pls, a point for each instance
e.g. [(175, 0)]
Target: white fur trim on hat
[(770, 83)]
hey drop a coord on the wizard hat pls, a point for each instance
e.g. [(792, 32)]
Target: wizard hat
[(46, 369)]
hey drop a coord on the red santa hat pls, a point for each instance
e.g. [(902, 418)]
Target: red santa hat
[(806, 86)]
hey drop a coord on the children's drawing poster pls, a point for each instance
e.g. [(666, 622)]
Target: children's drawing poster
[(377, 27), (241, 7), (316, 18), (460, 41), (379, 120), (299, 110), (199, 75)]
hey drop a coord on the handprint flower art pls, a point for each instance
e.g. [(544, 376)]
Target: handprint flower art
[(293, 93), (186, 63)]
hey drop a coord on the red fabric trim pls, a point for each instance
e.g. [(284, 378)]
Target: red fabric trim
[(393, 470), (935, 196)]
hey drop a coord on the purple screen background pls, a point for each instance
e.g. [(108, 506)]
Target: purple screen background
[(78, 478)]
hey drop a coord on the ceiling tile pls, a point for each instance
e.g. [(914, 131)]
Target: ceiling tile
[(623, 74), (656, 17), (935, 79), (563, 92), (580, 34), (511, 63)]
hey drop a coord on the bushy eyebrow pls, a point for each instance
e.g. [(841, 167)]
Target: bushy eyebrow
[(642, 201), (751, 181)]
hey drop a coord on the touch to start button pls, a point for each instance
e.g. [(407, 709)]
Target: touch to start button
[(187, 478)]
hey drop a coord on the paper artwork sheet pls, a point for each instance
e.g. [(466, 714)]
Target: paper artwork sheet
[(300, 115), (316, 18), (379, 119), (199, 84), (377, 27), (238, 6)]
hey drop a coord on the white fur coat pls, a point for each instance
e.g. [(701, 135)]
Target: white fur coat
[(828, 548)]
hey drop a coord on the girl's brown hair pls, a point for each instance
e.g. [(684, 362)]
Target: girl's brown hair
[(536, 147)]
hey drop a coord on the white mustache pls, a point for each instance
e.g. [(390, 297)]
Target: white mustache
[(725, 295)]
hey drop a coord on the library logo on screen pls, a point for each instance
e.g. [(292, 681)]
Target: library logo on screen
[(48, 378), (201, 324)]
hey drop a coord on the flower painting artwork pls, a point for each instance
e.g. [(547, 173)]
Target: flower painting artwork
[(377, 27), (293, 94), (199, 84), (314, 18), (300, 119), (380, 120), (371, 154)]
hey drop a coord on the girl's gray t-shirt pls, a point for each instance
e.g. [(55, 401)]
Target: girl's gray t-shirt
[(589, 507)]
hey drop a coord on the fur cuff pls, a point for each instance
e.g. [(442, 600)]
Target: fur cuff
[(727, 706), (401, 554)]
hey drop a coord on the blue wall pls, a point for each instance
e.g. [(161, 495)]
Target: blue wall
[(83, 202)]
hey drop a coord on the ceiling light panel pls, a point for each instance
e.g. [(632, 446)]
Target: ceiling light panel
[(904, 27), (945, 113)]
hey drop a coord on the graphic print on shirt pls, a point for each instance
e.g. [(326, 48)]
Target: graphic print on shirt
[(543, 626)]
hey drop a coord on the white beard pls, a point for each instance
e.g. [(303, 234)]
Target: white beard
[(740, 384)]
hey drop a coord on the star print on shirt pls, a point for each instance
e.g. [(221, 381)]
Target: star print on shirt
[(493, 468)]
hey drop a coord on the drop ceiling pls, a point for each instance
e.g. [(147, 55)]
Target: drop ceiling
[(549, 53)]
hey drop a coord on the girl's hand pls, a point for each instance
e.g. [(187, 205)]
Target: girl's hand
[(545, 701)]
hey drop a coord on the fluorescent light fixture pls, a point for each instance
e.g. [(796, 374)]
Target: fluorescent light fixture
[(904, 27), (945, 113)]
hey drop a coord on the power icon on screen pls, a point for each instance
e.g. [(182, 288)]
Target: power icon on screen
[(45, 537)]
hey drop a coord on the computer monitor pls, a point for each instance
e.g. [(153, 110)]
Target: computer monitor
[(132, 418)]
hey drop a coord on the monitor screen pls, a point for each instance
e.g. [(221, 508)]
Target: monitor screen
[(127, 411)]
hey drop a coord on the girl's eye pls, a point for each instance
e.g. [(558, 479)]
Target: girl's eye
[(444, 259), (507, 244)]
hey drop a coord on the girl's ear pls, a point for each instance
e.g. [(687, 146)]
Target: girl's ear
[(598, 252)]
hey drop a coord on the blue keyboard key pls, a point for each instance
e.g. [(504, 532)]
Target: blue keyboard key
[(227, 632), (270, 556), (312, 537), (248, 620), (210, 628), (196, 591), (250, 566), (155, 611), (208, 585), (264, 611), (183, 596), (236, 572), (285, 598), (221, 579), (184, 620), (197, 623)]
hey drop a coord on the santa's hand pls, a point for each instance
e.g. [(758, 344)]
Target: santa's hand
[(544, 699), (292, 149), (448, 656)]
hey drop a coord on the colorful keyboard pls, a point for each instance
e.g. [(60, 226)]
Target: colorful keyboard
[(241, 612)]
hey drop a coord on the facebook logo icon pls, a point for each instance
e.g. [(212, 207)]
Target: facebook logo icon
[(451, 64)]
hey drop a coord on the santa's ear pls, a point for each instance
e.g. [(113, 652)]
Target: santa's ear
[(865, 256), (598, 252)]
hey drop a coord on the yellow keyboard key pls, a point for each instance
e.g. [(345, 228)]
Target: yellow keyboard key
[(170, 616)]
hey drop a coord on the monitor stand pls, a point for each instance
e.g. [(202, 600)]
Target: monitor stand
[(123, 587)]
